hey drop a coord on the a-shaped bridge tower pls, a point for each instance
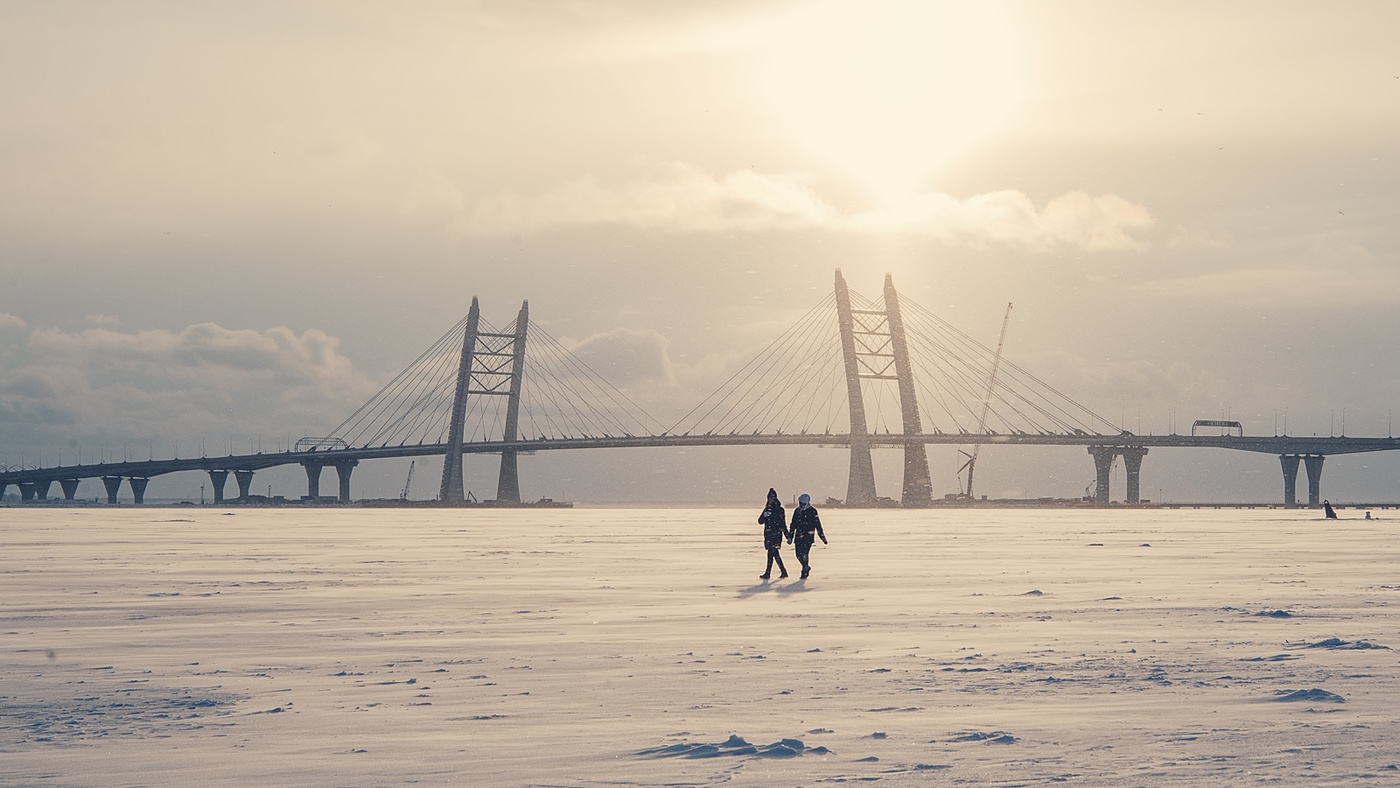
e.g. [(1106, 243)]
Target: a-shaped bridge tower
[(492, 365), (873, 345)]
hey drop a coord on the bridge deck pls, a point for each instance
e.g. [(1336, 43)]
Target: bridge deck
[(1276, 444)]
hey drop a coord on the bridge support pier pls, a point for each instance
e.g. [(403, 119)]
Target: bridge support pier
[(1103, 465), (1132, 465), (113, 485), (3, 485), (138, 488), (245, 483), (41, 489), (342, 470), (26, 491), (217, 480), (313, 479), (70, 488), (1290, 478), (1313, 464)]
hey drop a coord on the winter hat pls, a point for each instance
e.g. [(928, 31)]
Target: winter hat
[(772, 493), (804, 498)]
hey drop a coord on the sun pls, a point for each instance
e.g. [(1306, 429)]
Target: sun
[(892, 91)]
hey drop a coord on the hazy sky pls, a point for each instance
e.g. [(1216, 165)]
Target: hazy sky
[(226, 221)]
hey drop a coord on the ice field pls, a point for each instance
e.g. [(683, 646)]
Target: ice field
[(638, 647)]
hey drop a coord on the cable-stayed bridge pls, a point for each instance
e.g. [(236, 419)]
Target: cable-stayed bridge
[(852, 372)]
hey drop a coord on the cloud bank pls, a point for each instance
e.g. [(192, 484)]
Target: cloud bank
[(684, 198), (77, 388), (627, 356)]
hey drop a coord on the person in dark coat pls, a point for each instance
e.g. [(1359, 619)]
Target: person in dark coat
[(805, 524), (775, 529), (1327, 511)]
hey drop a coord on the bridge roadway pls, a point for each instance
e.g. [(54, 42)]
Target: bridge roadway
[(242, 465)]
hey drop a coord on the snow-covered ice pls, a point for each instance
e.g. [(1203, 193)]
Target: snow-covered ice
[(589, 647)]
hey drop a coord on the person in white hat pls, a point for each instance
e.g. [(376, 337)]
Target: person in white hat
[(805, 523)]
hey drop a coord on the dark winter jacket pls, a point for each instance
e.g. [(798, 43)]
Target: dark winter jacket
[(774, 521), (805, 522)]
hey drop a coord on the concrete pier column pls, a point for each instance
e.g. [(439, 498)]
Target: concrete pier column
[(342, 470), (26, 491), (41, 489), (70, 488), (3, 485), (1290, 478), (138, 488), (313, 479), (1132, 464), (217, 479), (1103, 464), (1313, 464), (113, 485), (245, 483)]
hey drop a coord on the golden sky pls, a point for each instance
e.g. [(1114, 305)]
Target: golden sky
[(1192, 205)]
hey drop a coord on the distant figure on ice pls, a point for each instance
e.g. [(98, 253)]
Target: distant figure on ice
[(1368, 515), (805, 523), (775, 529), (1327, 510)]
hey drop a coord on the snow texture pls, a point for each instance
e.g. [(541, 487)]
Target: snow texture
[(593, 647)]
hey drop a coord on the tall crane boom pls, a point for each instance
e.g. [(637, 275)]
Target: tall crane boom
[(971, 464), (403, 496)]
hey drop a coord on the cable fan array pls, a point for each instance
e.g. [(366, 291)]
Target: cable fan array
[(951, 370), (797, 385), (561, 397)]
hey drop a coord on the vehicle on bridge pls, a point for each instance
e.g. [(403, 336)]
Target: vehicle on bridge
[(1225, 426)]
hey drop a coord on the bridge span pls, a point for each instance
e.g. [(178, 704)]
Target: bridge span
[(36, 483), (475, 391)]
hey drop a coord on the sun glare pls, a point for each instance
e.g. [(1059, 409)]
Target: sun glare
[(892, 91)]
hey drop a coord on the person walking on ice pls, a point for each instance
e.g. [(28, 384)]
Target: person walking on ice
[(775, 529), (805, 523)]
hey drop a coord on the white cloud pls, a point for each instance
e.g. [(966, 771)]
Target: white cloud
[(1008, 217), (686, 199), (1286, 288), (626, 356), (8, 320)]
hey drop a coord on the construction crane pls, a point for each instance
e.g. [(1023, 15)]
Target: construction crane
[(403, 496), (971, 464)]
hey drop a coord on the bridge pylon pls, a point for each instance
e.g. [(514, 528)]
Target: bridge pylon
[(873, 344), (492, 364), (860, 486), (508, 482), (918, 487), (452, 489)]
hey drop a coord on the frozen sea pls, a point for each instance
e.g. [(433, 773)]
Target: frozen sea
[(638, 647)]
